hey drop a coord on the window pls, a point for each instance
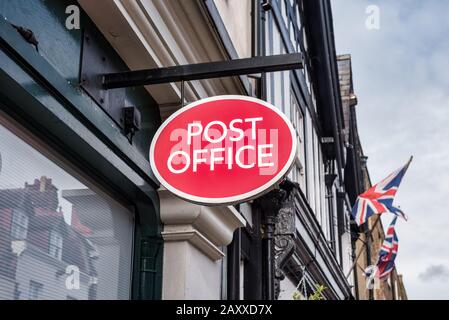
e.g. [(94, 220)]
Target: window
[(317, 176), (79, 240), (298, 123), (282, 9), (242, 278), (332, 208), (55, 246), (310, 162), (35, 290), (19, 225)]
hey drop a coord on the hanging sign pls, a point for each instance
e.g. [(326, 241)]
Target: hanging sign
[(223, 150)]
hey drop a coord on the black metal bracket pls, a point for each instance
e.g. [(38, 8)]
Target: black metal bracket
[(96, 61), (131, 121), (96, 82), (266, 5), (208, 70)]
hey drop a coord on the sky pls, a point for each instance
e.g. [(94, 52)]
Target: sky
[(401, 79)]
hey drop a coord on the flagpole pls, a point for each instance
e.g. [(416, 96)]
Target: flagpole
[(368, 234), (409, 161)]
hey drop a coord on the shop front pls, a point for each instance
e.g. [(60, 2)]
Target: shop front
[(79, 214)]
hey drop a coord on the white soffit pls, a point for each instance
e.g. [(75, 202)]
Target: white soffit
[(161, 33)]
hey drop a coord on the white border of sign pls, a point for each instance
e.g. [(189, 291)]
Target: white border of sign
[(234, 199)]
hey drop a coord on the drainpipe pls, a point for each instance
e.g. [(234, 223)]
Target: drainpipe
[(267, 219)]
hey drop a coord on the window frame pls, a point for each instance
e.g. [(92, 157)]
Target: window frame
[(55, 249), (35, 290), (16, 225)]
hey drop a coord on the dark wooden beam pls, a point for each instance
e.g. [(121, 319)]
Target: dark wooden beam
[(206, 70)]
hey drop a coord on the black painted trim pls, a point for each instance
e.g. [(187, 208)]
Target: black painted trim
[(323, 58), (298, 75)]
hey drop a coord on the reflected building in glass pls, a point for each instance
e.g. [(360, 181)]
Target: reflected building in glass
[(44, 257)]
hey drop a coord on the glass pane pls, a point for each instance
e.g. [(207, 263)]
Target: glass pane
[(59, 238)]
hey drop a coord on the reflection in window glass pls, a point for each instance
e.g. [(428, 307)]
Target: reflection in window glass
[(55, 248), (19, 225), (59, 238), (35, 290)]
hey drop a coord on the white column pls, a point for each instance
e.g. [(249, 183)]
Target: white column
[(193, 235)]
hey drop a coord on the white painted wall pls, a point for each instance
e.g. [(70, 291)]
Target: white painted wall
[(287, 289), (236, 16), (189, 274)]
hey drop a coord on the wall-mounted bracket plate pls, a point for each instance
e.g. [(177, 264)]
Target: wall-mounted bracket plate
[(98, 59)]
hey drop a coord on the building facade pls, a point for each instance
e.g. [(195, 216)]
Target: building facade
[(368, 239), (81, 213)]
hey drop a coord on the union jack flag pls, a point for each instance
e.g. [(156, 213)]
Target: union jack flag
[(379, 198), (388, 252)]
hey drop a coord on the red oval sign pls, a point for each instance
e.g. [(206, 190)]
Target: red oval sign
[(223, 150)]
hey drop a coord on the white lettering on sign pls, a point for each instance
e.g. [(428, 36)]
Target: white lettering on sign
[(186, 161), (226, 147)]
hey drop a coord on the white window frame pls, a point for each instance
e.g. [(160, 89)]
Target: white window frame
[(297, 119), (55, 245), (19, 224)]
